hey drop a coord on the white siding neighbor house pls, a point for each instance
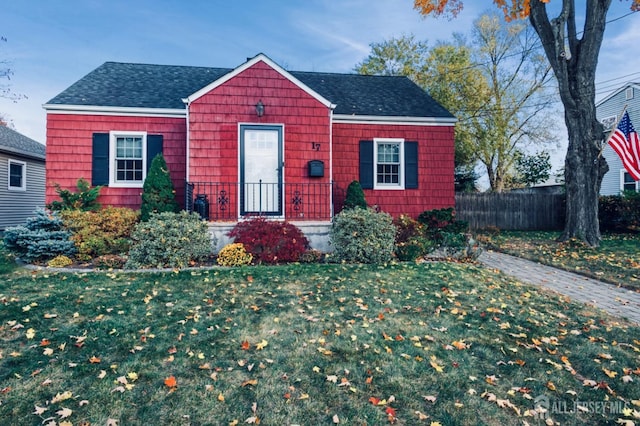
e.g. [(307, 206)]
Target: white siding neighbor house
[(609, 111), (22, 178)]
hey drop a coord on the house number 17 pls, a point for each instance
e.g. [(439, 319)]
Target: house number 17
[(315, 146)]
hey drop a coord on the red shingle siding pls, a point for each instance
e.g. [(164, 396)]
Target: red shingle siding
[(435, 170), (213, 127), (69, 157)]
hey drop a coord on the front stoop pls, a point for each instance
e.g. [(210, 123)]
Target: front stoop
[(316, 232)]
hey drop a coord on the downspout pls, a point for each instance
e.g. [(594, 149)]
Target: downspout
[(188, 143), (331, 160)]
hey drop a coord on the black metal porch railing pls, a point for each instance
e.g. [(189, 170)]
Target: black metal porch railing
[(231, 200)]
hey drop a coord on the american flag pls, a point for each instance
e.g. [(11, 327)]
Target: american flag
[(625, 143)]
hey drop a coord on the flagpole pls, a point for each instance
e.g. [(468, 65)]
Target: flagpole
[(613, 130)]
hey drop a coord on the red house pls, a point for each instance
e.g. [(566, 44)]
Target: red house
[(254, 139)]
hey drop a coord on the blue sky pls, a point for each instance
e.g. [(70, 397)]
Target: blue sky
[(51, 44)]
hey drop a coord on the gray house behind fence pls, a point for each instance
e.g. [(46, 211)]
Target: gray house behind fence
[(22, 178), (609, 110)]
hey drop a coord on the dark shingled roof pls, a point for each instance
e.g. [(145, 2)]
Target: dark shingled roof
[(115, 84), (17, 143)]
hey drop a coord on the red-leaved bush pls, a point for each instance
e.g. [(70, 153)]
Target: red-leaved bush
[(270, 241)]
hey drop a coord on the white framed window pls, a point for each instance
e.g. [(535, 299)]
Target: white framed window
[(388, 155), (628, 93), (626, 182), (17, 178), (128, 158)]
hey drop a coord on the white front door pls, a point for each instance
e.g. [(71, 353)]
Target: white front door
[(261, 170)]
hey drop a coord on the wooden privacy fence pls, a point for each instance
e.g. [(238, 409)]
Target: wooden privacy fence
[(512, 211)]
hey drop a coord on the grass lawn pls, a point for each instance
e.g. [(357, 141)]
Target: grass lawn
[(617, 260), (405, 344)]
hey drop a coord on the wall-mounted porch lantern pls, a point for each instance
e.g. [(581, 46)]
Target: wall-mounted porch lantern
[(260, 108)]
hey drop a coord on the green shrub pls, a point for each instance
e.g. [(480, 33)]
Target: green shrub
[(411, 242), (41, 238), (99, 233), (234, 255), (414, 248), (270, 241), (85, 198), (168, 239), (363, 236), (60, 262), (158, 194), (441, 221), (355, 196), (620, 213)]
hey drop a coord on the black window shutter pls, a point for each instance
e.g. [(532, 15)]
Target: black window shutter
[(100, 159), (154, 147), (410, 165), (366, 164)]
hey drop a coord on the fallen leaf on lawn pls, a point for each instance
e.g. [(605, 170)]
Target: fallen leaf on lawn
[(421, 416), (610, 373), (429, 398), (626, 379), (220, 397), (112, 422), (253, 420), (551, 386), (459, 344), (64, 413), (39, 410), (94, 360), (102, 374), (61, 397), (245, 345), (251, 382), (263, 344), (332, 378), (336, 419), (47, 352), (170, 382), (83, 402), (31, 333), (390, 411), (304, 396), (491, 379)]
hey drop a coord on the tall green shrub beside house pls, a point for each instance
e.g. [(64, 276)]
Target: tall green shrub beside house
[(355, 196), (158, 194)]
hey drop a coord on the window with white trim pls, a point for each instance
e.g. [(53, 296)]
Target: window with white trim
[(626, 181), (127, 156), (17, 175), (388, 168), (628, 93)]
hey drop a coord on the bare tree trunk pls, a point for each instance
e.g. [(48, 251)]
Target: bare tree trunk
[(574, 62), (584, 169)]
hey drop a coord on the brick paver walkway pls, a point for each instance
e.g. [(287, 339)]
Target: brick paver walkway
[(617, 301)]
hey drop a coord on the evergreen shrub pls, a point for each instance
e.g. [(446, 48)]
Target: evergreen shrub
[(85, 198), (362, 236), (174, 240), (41, 238), (620, 213), (270, 241), (158, 194), (355, 196)]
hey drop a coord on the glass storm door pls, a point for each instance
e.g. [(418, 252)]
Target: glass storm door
[(261, 170)]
